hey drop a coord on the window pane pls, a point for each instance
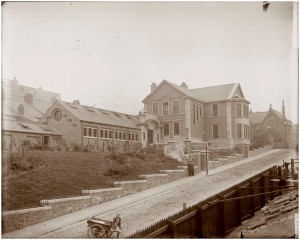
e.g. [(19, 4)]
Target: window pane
[(165, 108), (95, 132), (166, 129), (176, 128), (194, 114), (84, 131), (239, 110), (239, 131), (215, 109), (155, 108), (124, 136), (215, 131), (116, 135), (110, 134), (197, 113), (90, 132), (176, 107)]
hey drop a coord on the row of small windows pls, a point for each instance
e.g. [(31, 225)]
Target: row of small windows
[(165, 108), (108, 134)]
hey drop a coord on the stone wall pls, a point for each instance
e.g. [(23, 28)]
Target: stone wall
[(14, 220)]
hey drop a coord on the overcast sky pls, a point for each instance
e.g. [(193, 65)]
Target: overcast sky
[(107, 54)]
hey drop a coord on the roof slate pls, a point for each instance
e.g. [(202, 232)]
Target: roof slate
[(34, 128), (97, 115), (206, 94)]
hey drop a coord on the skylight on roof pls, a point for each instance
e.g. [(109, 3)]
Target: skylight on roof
[(89, 109), (44, 128), (71, 106), (24, 125), (102, 111), (116, 114)]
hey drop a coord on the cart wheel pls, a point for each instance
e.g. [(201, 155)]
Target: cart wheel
[(96, 232)]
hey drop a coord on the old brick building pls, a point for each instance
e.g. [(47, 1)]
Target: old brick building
[(91, 127), (217, 114)]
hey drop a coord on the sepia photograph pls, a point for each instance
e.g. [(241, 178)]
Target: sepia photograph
[(149, 119)]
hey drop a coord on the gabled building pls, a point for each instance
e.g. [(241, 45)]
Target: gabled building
[(216, 114), (95, 128), (272, 127), (22, 108)]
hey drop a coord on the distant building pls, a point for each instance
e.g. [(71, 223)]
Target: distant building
[(272, 127), (216, 114), (22, 109)]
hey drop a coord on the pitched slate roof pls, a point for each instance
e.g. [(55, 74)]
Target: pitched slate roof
[(32, 111), (97, 115), (215, 93), (206, 94), (257, 117), (28, 127)]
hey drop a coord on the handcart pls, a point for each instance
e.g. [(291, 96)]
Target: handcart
[(100, 228)]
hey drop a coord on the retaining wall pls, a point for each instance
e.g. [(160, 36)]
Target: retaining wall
[(14, 220)]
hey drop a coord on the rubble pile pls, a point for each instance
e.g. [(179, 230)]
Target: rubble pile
[(275, 219)]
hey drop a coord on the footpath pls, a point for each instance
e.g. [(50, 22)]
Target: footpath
[(46, 227)]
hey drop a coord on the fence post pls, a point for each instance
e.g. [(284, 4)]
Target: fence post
[(199, 222), (171, 229), (221, 217), (286, 169), (251, 199), (262, 190), (292, 169), (279, 176), (239, 207), (267, 187)]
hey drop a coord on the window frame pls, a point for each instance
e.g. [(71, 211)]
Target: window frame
[(213, 131), (177, 107), (87, 130), (157, 104), (213, 110), (165, 113), (164, 129), (176, 134)]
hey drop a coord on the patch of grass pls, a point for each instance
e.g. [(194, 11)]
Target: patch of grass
[(64, 174)]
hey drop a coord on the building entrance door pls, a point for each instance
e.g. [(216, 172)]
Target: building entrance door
[(46, 140), (150, 136)]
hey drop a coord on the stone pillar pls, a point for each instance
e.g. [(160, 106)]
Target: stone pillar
[(188, 146)]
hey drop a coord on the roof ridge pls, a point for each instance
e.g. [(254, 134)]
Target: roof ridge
[(214, 86)]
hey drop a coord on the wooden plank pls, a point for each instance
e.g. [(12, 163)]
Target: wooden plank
[(229, 194), (185, 217), (157, 232)]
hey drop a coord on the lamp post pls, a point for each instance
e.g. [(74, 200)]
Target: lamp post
[(206, 152)]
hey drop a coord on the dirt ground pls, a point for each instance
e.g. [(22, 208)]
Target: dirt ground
[(283, 226)]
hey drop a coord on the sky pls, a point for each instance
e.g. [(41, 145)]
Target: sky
[(107, 54)]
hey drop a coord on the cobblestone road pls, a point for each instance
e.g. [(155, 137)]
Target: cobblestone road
[(143, 213)]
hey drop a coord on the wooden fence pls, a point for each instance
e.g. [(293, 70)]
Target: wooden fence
[(217, 216)]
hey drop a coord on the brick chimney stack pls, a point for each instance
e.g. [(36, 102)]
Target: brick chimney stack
[(153, 87), (184, 85), (28, 98)]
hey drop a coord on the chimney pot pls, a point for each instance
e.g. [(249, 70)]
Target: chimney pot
[(21, 109), (28, 98), (184, 85)]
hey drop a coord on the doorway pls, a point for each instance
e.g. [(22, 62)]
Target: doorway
[(46, 140), (150, 136)]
